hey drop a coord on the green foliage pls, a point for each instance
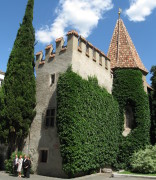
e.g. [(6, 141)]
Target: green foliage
[(153, 114), (9, 162), (144, 161), (87, 117), (3, 129), (128, 90), (19, 82)]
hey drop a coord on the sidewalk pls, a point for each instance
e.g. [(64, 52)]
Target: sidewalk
[(99, 176), (117, 175)]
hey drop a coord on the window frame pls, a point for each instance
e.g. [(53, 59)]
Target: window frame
[(50, 118)]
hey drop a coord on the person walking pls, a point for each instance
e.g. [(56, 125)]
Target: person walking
[(20, 161), (15, 165)]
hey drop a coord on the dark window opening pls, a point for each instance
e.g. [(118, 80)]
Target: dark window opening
[(50, 118), (129, 117), (43, 156)]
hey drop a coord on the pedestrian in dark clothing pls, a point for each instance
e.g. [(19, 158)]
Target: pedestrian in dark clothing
[(15, 165), (24, 165), (28, 167)]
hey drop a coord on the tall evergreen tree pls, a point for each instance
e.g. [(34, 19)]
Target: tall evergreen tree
[(3, 129), (19, 83), (153, 97)]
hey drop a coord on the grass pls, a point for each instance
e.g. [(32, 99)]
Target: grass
[(128, 172)]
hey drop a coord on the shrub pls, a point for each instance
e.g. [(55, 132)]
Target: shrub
[(144, 161), (87, 117), (9, 162)]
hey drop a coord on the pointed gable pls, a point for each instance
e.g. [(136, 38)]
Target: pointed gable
[(122, 52)]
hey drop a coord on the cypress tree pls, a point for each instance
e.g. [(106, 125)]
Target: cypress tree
[(153, 113), (19, 83)]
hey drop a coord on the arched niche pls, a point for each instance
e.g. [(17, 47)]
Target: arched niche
[(129, 121)]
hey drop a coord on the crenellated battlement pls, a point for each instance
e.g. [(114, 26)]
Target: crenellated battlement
[(85, 59), (74, 42)]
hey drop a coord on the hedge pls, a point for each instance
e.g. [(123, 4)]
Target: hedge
[(87, 120)]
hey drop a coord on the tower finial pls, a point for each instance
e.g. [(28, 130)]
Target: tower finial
[(120, 10)]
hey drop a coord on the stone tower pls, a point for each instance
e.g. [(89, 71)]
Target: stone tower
[(122, 51), (86, 60), (123, 56)]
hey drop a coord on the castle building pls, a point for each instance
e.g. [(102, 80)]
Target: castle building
[(86, 60), (2, 75)]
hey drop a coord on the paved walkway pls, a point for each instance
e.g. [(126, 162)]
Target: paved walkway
[(4, 176)]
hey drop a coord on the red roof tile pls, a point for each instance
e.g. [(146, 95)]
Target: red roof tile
[(122, 52)]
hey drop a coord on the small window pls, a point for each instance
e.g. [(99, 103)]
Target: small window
[(43, 156), (52, 81), (50, 118)]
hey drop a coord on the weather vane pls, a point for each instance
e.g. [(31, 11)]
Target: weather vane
[(120, 11)]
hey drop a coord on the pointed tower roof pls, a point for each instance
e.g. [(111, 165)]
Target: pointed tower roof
[(122, 52)]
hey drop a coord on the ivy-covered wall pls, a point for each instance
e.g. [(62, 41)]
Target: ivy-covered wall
[(153, 105), (128, 90), (87, 120)]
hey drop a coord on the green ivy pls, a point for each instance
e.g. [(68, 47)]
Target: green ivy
[(87, 120), (153, 105), (128, 89)]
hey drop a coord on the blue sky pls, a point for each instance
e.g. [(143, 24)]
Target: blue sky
[(95, 20)]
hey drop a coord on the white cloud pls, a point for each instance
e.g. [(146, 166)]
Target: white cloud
[(139, 9), (81, 15)]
